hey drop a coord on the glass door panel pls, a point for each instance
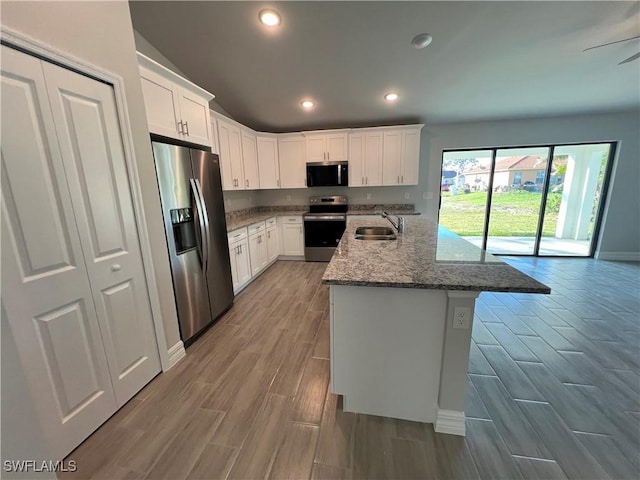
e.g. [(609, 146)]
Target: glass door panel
[(573, 199), (464, 193), (516, 197)]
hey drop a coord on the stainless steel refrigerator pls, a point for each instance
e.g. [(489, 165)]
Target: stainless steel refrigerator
[(194, 221)]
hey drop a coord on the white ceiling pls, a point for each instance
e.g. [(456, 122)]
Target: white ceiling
[(488, 60)]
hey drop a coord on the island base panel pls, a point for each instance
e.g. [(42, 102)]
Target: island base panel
[(387, 349)]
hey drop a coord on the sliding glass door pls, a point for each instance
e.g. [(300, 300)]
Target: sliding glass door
[(573, 199), (516, 197), (526, 201)]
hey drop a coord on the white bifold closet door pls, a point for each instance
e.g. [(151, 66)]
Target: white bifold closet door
[(73, 285)]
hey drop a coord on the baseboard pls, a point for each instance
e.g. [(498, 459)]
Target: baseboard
[(176, 353), (451, 422), (619, 256), (299, 258)]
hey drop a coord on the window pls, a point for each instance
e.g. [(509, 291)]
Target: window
[(517, 178), (540, 177)]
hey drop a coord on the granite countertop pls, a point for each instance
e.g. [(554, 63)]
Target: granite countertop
[(250, 218), (246, 217), (425, 256), (378, 211)]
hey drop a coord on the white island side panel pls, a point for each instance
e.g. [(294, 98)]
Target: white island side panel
[(386, 350)]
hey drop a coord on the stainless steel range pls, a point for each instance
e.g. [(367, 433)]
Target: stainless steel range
[(324, 224)]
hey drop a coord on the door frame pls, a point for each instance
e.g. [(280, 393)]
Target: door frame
[(36, 48), (595, 238)]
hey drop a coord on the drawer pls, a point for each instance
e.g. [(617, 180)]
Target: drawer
[(292, 219), (255, 228), (239, 234), (270, 222)]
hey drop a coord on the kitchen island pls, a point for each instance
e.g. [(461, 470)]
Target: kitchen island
[(396, 349)]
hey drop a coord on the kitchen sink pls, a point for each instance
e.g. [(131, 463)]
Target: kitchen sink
[(375, 233)]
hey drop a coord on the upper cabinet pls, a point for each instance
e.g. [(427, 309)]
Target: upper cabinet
[(326, 146), (231, 166), (175, 107), (268, 162), (291, 151), (401, 155), (365, 158), (250, 160)]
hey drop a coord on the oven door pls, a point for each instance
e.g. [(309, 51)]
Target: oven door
[(323, 230)]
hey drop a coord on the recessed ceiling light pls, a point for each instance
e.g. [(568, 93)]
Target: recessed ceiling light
[(391, 97), (421, 40), (308, 104), (270, 18)]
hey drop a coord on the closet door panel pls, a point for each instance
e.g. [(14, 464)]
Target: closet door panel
[(89, 135), (45, 289)]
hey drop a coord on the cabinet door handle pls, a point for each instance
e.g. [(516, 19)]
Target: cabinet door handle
[(366, 180), (328, 156), (278, 182), (247, 182), (401, 178), (186, 127), (115, 267), (240, 247), (398, 178), (180, 129), (300, 229)]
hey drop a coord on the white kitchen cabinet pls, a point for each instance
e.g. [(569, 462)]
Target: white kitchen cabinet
[(292, 236), (175, 107), (231, 165), (401, 156), (239, 256), (326, 146), (291, 153), (215, 143), (250, 161), (273, 244), (268, 166), (365, 159), (74, 290), (258, 248)]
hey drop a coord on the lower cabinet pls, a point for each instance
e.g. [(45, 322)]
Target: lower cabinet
[(239, 255), (258, 252), (292, 236), (273, 247)]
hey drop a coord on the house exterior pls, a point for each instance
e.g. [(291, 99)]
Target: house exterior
[(512, 172)]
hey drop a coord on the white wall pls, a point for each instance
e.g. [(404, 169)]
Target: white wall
[(101, 33)]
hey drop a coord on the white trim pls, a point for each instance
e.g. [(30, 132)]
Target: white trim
[(175, 354), (462, 294), (291, 258), (65, 59), (619, 256), (451, 422), (154, 66)]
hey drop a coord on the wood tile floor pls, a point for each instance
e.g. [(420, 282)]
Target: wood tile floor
[(554, 392)]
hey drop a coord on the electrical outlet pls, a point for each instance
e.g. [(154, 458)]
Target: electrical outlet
[(407, 195), (368, 196), (461, 317), (427, 196), (288, 198)]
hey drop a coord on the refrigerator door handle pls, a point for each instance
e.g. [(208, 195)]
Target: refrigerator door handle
[(205, 219), (201, 216)]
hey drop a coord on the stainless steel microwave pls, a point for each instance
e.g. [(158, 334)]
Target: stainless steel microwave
[(328, 174)]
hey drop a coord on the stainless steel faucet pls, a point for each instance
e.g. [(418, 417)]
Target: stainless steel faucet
[(398, 224)]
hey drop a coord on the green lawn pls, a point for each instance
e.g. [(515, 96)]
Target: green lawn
[(513, 214)]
